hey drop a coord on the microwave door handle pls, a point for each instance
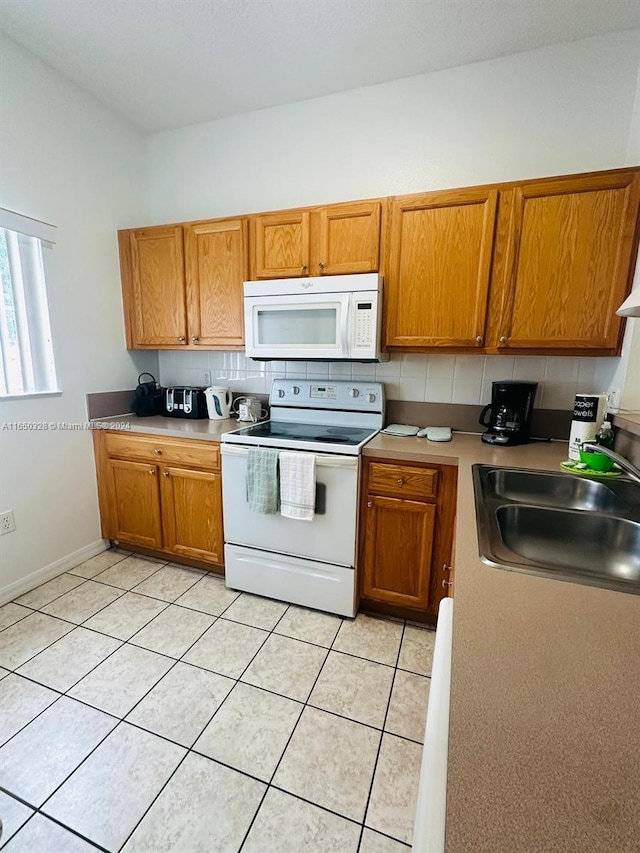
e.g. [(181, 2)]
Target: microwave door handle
[(344, 331)]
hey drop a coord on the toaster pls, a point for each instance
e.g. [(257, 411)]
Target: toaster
[(183, 402)]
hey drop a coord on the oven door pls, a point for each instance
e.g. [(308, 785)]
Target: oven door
[(312, 326), (329, 538)]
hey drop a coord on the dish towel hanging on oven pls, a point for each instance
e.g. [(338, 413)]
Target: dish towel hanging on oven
[(262, 480), (297, 485)]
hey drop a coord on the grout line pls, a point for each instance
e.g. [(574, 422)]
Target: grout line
[(384, 723), (37, 811), (289, 739)]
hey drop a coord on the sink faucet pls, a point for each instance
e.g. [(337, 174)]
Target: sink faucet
[(627, 467)]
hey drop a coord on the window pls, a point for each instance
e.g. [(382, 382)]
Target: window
[(26, 351)]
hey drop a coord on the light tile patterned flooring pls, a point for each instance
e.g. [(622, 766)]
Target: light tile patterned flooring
[(146, 707)]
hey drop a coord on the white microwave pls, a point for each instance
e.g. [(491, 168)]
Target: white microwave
[(328, 318)]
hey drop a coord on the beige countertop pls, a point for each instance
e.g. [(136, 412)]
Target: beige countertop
[(202, 428), (544, 751)]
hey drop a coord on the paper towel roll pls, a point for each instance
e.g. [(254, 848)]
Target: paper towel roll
[(588, 414)]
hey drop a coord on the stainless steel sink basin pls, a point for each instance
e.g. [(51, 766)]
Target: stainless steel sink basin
[(559, 490), (559, 525)]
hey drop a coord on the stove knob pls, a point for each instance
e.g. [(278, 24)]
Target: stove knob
[(295, 389), (371, 398), (353, 392), (280, 392)]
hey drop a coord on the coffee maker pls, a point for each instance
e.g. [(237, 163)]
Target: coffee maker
[(508, 415)]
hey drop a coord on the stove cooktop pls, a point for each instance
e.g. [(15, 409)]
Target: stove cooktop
[(293, 432)]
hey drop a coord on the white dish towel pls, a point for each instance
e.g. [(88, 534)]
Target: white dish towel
[(297, 485)]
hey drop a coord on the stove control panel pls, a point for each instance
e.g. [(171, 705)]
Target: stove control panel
[(339, 394)]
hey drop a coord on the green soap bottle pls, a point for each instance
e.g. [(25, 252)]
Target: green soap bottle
[(605, 435)]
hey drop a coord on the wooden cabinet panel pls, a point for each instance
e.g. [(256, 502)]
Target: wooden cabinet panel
[(134, 503), (348, 239), (192, 513), (403, 481), (406, 537), (216, 266), (568, 257), (281, 244), (440, 267), (155, 279), (397, 552), (146, 448)]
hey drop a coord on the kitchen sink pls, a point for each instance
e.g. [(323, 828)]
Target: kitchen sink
[(557, 490), (559, 525)]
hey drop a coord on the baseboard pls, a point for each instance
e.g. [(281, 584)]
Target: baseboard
[(19, 587)]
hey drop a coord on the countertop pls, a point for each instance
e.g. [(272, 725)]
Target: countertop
[(544, 751), (202, 428)]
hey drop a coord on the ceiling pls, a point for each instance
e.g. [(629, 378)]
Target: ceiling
[(169, 63)]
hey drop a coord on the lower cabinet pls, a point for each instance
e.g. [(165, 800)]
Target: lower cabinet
[(163, 495), (406, 536)]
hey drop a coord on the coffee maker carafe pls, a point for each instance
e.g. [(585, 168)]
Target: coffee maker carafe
[(508, 415)]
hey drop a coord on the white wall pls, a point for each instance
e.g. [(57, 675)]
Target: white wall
[(558, 110), (68, 161)]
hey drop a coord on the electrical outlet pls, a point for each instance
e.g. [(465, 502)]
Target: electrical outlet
[(207, 377), (613, 399), (7, 522)]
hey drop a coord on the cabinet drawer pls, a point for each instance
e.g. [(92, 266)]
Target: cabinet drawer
[(403, 481), (146, 448)]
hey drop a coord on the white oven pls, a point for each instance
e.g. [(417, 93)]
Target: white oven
[(307, 563), (311, 563), (324, 318)]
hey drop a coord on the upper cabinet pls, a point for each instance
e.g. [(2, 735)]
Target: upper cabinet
[(281, 244), (439, 272), (182, 285), (524, 267), (566, 262), (152, 267), (537, 266), (333, 240), (217, 259)]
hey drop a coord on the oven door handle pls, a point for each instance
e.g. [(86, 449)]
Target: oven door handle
[(321, 460)]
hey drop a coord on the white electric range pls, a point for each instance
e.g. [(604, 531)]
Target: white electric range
[(306, 563)]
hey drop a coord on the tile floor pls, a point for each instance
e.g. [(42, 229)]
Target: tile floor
[(146, 707)]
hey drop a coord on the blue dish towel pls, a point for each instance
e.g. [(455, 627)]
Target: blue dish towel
[(263, 488)]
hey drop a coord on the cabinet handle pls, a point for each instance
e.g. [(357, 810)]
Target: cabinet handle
[(195, 339), (157, 451), (446, 583), (303, 267), (504, 339), (152, 471), (480, 340), (369, 504), (182, 338), (400, 482), (165, 473), (446, 568), (321, 267)]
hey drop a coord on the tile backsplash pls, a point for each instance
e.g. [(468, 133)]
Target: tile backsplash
[(410, 376)]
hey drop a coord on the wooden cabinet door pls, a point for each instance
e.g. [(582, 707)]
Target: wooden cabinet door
[(192, 513), (133, 503), (397, 551), (348, 239), (281, 244), (216, 266), (157, 298), (438, 278), (568, 258)]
